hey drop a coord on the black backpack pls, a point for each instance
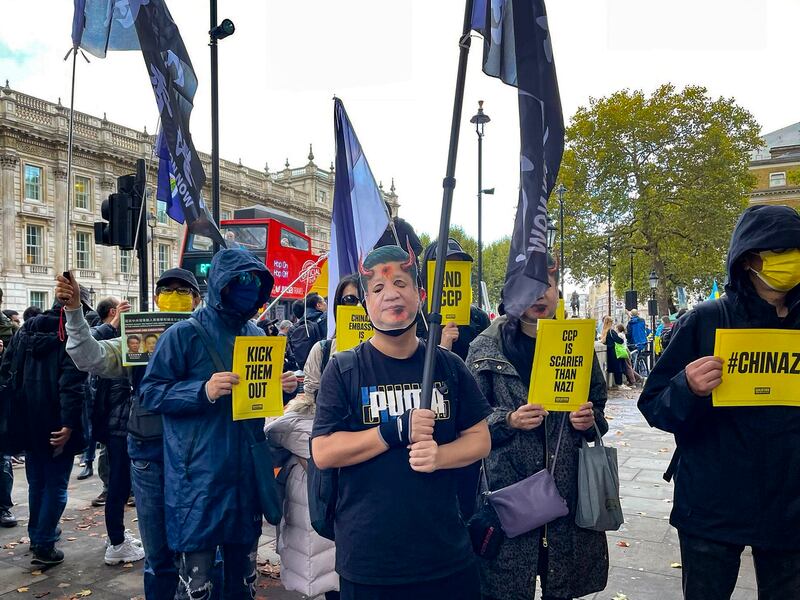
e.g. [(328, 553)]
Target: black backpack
[(323, 484), (301, 341)]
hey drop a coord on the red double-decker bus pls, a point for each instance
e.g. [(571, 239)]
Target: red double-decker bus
[(275, 238)]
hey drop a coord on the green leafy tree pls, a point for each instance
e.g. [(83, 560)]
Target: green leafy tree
[(665, 175)]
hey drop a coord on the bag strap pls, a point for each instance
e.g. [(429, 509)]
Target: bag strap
[(212, 351), (558, 443)]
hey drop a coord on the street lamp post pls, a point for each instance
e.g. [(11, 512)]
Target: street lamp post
[(551, 234), (480, 119), (151, 223), (608, 253), (561, 189), (632, 253), (652, 306)]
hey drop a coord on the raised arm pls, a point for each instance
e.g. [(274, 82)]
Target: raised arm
[(98, 357)]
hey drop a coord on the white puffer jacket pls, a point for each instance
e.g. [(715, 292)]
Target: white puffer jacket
[(307, 559)]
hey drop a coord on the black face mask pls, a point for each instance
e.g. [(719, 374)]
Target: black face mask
[(396, 332)]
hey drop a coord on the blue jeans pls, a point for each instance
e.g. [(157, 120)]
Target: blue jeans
[(48, 477), (6, 482), (160, 569)]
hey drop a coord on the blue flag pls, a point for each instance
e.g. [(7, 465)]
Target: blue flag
[(166, 191), (714, 291), (146, 25), (517, 49), (359, 214)]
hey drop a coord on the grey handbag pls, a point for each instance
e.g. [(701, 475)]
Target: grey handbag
[(598, 487), (532, 502)]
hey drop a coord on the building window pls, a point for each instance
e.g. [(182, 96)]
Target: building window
[(125, 261), (39, 300), (83, 250), (161, 213), (322, 196), (163, 257), (34, 244), (82, 190), (133, 301), (777, 179), (33, 183), (225, 215)]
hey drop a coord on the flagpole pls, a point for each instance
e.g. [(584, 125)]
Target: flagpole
[(215, 190), (449, 183), (69, 159)]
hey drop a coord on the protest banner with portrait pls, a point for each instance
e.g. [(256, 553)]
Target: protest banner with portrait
[(140, 333), (456, 291), (761, 367), (562, 363), (258, 360), (352, 327)]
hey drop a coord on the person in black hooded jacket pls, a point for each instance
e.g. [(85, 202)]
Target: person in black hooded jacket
[(48, 391), (736, 470)]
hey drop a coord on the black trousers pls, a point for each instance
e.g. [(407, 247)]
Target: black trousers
[(119, 487), (463, 585), (710, 570)]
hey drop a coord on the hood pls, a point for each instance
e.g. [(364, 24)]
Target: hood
[(42, 333), (761, 228), (226, 265)]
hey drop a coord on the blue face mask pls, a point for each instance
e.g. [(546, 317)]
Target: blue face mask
[(243, 294)]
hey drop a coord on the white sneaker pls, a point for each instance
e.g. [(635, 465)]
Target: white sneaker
[(133, 540), (125, 552)]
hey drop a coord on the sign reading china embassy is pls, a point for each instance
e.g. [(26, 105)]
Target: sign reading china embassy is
[(258, 361), (761, 367), (352, 327), (562, 363), (456, 291)]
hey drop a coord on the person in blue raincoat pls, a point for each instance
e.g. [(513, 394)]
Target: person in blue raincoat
[(210, 492)]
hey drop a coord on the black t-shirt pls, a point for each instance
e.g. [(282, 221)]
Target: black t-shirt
[(394, 525)]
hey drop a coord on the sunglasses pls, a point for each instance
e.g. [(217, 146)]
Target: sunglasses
[(350, 300), (248, 279), (181, 291)]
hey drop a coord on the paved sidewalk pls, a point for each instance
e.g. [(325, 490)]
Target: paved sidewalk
[(642, 553)]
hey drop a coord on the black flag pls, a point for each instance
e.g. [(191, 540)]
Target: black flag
[(517, 49)]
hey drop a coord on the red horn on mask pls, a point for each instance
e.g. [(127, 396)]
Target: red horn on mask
[(406, 266), (363, 271)]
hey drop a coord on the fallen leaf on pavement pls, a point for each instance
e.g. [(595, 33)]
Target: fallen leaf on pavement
[(127, 566), (664, 450), (22, 590), (623, 544), (41, 594), (71, 539), (83, 594), (620, 596), (676, 565), (36, 573), (63, 585)]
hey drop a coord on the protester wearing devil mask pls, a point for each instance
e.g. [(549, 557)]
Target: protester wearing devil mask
[(398, 530)]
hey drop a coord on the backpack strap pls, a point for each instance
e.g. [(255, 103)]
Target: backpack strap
[(212, 351), (347, 362), (325, 345)]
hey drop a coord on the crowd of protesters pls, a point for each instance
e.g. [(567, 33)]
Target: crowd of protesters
[(381, 498)]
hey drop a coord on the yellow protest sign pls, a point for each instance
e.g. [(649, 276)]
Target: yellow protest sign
[(761, 367), (456, 291), (562, 363), (258, 360), (352, 327)]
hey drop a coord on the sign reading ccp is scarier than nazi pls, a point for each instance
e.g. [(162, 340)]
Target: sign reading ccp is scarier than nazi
[(562, 364)]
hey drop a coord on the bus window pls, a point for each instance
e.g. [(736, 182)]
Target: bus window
[(292, 240), (249, 237), (198, 243)]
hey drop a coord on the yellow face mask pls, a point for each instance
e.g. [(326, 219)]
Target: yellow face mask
[(172, 301), (780, 270)]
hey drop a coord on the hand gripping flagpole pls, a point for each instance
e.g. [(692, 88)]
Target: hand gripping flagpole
[(449, 183)]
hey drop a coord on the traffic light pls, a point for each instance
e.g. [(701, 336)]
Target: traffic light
[(121, 211)]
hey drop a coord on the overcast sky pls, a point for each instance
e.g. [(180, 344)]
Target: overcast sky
[(393, 64)]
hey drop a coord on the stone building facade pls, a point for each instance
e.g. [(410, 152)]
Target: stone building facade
[(33, 197), (776, 168)]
